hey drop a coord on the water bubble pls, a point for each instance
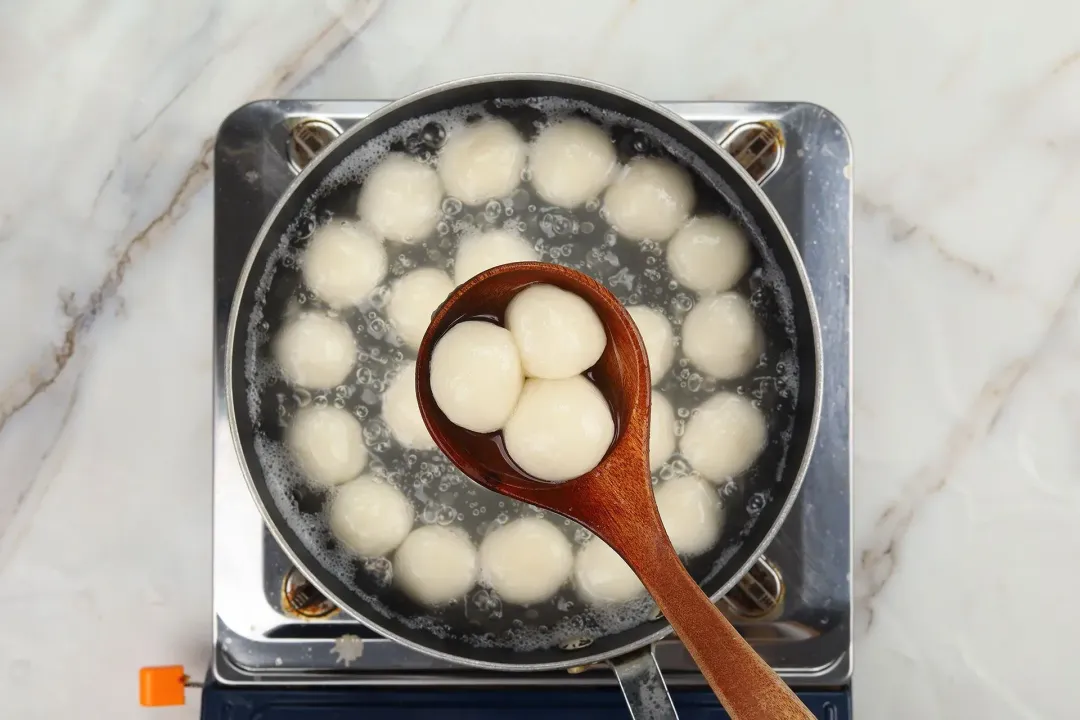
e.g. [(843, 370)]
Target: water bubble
[(623, 278), (554, 224), (433, 135), (380, 569), (487, 601), (414, 144), (452, 206), (755, 503)]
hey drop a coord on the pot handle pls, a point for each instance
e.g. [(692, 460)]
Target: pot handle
[(643, 686)]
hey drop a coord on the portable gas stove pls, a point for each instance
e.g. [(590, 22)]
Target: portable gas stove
[(281, 649)]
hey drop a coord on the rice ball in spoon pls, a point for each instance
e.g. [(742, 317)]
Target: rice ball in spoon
[(724, 436), (315, 351), (721, 337), (572, 162), (327, 443), (656, 333), (649, 199), (436, 565), (557, 332), (709, 254), (401, 199), (343, 263), (482, 251), (370, 517), (476, 375), (413, 299), (526, 561), (482, 161), (560, 429)]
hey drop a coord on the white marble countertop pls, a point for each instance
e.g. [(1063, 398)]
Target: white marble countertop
[(966, 124)]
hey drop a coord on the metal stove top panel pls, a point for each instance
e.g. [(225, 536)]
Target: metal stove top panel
[(795, 608)]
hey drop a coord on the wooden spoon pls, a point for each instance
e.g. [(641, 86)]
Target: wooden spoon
[(615, 500)]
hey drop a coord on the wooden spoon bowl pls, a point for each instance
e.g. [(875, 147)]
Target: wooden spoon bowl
[(614, 500)]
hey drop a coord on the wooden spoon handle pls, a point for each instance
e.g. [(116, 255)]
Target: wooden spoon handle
[(744, 683)]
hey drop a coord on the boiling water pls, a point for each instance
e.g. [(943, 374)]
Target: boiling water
[(635, 272)]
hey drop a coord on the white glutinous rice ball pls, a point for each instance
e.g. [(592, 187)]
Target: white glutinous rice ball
[(315, 351), (401, 199), (370, 517), (343, 263), (482, 161), (709, 254), (724, 436), (476, 375), (401, 411), (436, 565), (650, 199), (557, 332), (327, 443), (572, 162), (656, 333), (413, 299), (690, 510), (661, 431), (526, 561), (601, 577), (560, 429), (721, 337), (482, 251)]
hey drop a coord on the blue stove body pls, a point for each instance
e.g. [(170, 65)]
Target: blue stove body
[(223, 702)]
